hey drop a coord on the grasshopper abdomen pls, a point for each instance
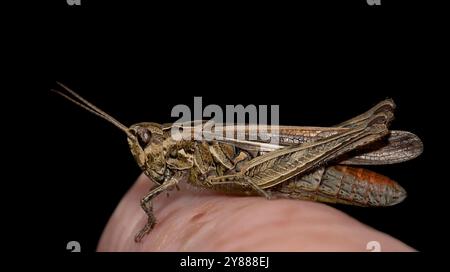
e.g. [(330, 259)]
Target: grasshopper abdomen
[(344, 185)]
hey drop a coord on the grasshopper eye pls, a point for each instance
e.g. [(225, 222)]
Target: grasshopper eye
[(143, 136)]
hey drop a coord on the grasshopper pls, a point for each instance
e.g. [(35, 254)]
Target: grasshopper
[(308, 163)]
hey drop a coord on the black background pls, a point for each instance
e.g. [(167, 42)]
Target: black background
[(321, 63)]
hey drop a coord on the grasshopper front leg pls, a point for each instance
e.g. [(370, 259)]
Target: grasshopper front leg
[(147, 206)]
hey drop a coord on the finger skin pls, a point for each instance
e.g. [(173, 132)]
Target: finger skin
[(207, 221)]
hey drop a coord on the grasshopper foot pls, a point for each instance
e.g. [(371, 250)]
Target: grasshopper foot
[(145, 230)]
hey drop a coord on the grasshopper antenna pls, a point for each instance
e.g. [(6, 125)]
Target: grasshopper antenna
[(83, 103)]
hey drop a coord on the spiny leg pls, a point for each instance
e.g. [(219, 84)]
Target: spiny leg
[(147, 206), (257, 188), (244, 182)]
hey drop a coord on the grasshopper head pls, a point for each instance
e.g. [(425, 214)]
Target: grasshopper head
[(145, 139), (146, 145)]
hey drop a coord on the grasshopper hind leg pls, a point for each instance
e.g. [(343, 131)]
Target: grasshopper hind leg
[(258, 189), (385, 106), (229, 184)]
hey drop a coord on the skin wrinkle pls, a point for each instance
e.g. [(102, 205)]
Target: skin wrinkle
[(195, 234), (205, 211), (197, 217), (197, 224), (207, 221)]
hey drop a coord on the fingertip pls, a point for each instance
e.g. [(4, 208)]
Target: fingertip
[(204, 221)]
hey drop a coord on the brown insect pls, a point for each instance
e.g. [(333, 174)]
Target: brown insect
[(308, 162)]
